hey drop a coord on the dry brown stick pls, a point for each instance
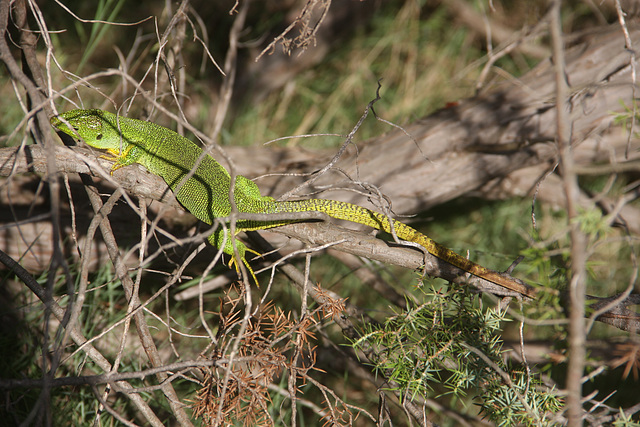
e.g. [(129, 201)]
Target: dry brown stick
[(577, 287), (40, 131), (140, 321), (356, 243), (77, 336)]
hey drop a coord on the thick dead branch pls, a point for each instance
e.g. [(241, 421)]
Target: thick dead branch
[(496, 144)]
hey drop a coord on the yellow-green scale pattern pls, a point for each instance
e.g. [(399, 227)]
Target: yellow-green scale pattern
[(205, 191)]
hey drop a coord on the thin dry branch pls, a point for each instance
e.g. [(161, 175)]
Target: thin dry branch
[(472, 163), (577, 287), (475, 147)]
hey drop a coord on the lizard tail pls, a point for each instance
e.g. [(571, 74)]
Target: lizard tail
[(358, 214)]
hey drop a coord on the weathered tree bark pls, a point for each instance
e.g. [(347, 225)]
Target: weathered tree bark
[(497, 144), (476, 145)]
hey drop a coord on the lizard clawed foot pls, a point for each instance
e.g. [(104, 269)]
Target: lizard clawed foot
[(233, 263)]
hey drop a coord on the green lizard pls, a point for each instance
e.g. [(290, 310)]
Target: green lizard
[(206, 192)]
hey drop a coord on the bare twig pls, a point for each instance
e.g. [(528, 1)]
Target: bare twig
[(577, 287)]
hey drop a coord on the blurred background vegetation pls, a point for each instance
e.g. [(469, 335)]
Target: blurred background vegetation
[(427, 55)]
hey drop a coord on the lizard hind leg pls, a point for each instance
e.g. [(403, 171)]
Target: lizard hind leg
[(233, 263), (217, 239)]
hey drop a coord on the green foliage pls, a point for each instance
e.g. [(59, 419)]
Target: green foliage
[(592, 223), (624, 420), (523, 401), (628, 118), (107, 10), (418, 57), (448, 345)]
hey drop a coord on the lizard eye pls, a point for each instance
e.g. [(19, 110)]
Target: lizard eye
[(99, 136)]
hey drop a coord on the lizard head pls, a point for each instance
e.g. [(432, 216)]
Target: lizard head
[(95, 127)]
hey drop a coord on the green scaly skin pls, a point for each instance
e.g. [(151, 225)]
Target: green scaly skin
[(206, 193)]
